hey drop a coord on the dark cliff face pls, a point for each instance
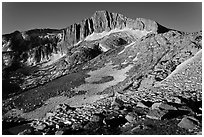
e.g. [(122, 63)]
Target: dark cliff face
[(105, 21), (32, 46)]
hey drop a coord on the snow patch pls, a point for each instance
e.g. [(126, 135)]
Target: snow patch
[(54, 58), (126, 47), (135, 59), (77, 43), (103, 48), (97, 75), (136, 33), (125, 62)]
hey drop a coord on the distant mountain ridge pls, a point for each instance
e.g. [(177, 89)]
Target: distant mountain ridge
[(26, 53), (38, 45), (99, 22)]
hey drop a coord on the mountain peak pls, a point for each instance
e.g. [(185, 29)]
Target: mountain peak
[(103, 20), (116, 20), (101, 11)]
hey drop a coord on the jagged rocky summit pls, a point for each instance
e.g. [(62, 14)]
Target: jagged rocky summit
[(118, 73)]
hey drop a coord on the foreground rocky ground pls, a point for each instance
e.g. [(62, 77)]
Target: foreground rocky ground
[(120, 117)]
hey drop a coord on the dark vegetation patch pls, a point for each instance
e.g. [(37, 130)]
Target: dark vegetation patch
[(9, 88)]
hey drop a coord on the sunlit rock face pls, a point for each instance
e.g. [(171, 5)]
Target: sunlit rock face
[(104, 21)]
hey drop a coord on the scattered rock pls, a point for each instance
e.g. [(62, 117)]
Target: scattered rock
[(26, 132), (156, 114), (49, 114), (124, 112), (57, 126), (117, 103), (177, 100), (130, 118), (196, 121), (60, 132), (67, 122), (139, 128), (140, 104), (199, 133), (91, 125), (95, 118), (140, 111), (41, 126), (76, 126), (126, 127), (166, 107), (187, 123), (156, 105)]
